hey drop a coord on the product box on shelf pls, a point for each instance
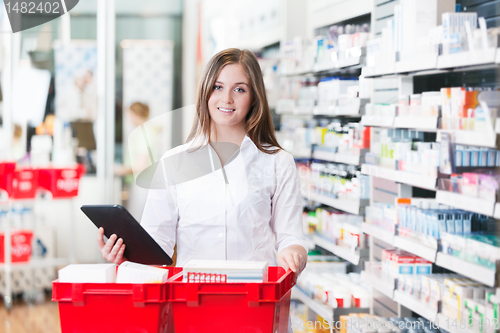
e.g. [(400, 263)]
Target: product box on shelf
[(21, 242), (61, 182)]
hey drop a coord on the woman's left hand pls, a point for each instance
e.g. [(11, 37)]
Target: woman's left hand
[(293, 257)]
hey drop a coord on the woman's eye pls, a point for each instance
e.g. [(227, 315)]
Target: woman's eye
[(239, 90), (217, 88)]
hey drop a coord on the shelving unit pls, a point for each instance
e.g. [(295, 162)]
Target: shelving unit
[(385, 287), (433, 64), (471, 138), (338, 157), (476, 205), (377, 121), (415, 305), (321, 310), (378, 233), (387, 184), (476, 272), (465, 59), (421, 250), (420, 123), (352, 256), (349, 206), (403, 177)]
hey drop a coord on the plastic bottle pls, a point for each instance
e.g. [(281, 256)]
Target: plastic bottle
[(361, 297)]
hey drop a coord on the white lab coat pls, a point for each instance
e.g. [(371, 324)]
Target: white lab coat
[(256, 212)]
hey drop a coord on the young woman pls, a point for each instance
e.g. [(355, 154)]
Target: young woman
[(243, 203)]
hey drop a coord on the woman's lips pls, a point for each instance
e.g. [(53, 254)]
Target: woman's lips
[(226, 110)]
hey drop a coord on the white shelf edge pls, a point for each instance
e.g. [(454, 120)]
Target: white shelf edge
[(496, 213), (403, 177), (377, 121), (339, 251), (421, 250), (476, 205), (414, 305), (337, 157), (378, 233), (422, 63), (470, 138), (375, 283), (476, 272), (349, 206), (466, 59), (320, 309), (429, 123), (497, 121)]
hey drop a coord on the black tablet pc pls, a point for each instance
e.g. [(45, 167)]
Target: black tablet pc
[(140, 246)]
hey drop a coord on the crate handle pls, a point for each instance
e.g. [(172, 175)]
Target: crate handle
[(253, 294)]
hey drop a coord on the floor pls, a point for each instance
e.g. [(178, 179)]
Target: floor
[(30, 318)]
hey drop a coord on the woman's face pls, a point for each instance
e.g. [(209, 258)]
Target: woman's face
[(231, 98)]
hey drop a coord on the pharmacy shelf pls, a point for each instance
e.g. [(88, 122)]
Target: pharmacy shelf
[(36, 263), (451, 325), (403, 177), (340, 251), (415, 305), (496, 213), (420, 63), (285, 106), (465, 59), (338, 64), (421, 123), (379, 70), (337, 157), (419, 249), (375, 282), (377, 121), (348, 206), (378, 233), (473, 204), (321, 310), (471, 138), (476, 272), (335, 110)]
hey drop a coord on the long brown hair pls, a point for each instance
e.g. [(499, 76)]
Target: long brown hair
[(259, 124)]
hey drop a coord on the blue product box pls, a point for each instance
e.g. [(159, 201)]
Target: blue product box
[(474, 158), (450, 223), (441, 217), (467, 222), (466, 158), (458, 157), (458, 223)]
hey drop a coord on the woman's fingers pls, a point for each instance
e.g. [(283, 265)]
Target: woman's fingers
[(109, 245), (100, 240), (291, 262), (119, 257), (114, 251)]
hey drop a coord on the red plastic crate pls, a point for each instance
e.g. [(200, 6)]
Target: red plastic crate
[(21, 245), (232, 307), (114, 307), (61, 182), (18, 183)]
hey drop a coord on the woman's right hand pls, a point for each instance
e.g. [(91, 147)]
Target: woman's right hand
[(111, 251)]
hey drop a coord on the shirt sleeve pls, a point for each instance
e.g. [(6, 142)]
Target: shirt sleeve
[(286, 205), (161, 213)]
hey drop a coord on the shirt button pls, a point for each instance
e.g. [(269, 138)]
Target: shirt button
[(221, 234)]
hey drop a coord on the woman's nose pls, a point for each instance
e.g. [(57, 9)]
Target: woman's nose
[(227, 97)]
